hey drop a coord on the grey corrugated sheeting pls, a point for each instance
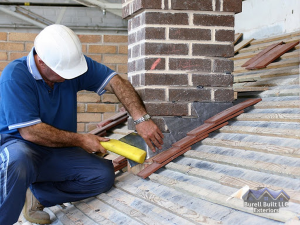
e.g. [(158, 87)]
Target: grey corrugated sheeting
[(191, 189)]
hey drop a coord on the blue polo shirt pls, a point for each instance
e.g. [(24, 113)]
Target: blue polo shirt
[(26, 99)]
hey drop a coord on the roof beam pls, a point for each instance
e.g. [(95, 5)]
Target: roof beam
[(114, 8), (22, 17)]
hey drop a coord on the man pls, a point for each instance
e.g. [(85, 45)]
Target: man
[(42, 157)]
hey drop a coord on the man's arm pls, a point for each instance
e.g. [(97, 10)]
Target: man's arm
[(136, 108), (46, 135)]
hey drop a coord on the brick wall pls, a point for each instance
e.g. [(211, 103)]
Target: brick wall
[(110, 50), (178, 53)]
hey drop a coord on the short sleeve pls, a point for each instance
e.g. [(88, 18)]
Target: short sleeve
[(19, 102), (96, 77)]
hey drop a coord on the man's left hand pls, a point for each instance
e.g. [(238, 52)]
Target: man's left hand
[(150, 132)]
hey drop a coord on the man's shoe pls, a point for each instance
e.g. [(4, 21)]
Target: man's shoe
[(33, 210)]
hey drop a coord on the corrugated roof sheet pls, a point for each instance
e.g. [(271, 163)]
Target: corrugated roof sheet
[(259, 148)]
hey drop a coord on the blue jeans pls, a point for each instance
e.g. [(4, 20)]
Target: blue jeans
[(54, 175)]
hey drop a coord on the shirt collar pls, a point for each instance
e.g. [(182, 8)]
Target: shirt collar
[(32, 66)]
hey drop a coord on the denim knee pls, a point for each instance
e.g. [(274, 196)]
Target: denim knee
[(20, 162), (109, 176), (104, 176)]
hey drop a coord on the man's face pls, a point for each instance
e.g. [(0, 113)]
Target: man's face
[(48, 74)]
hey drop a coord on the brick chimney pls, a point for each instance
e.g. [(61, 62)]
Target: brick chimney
[(178, 59)]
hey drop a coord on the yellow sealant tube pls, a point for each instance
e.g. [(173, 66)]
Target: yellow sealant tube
[(126, 150)]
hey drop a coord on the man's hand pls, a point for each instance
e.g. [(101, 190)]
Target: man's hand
[(151, 134), (91, 143)]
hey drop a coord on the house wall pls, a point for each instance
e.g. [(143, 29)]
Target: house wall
[(265, 18), (110, 50)]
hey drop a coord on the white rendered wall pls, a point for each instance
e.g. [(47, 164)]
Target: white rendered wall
[(265, 18)]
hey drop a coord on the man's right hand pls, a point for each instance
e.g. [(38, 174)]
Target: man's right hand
[(91, 143)]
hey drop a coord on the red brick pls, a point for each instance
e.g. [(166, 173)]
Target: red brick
[(88, 117), (223, 65), (80, 107), (123, 49), (129, 53), (3, 36), (232, 6), (90, 126), (213, 50), (214, 20), (122, 68), (115, 59), (166, 18), (3, 65), (153, 4), (137, 5), (190, 64), (109, 98), (136, 21), (135, 80), (102, 49), (136, 51), (224, 35), (153, 94), (131, 66), (112, 66), (224, 95), (88, 97), (189, 34), (97, 57), (101, 107), (28, 46), (3, 56), (126, 11), (84, 38), (80, 127), (132, 38), (164, 49), (164, 79), (148, 64), (21, 37), (84, 48), (12, 46), (146, 4), (167, 109), (115, 38), (188, 94), (17, 55), (200, 5), (212, 80), (152, 33), (129, 26)]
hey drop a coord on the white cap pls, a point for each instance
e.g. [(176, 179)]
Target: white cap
[(60, 49)]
